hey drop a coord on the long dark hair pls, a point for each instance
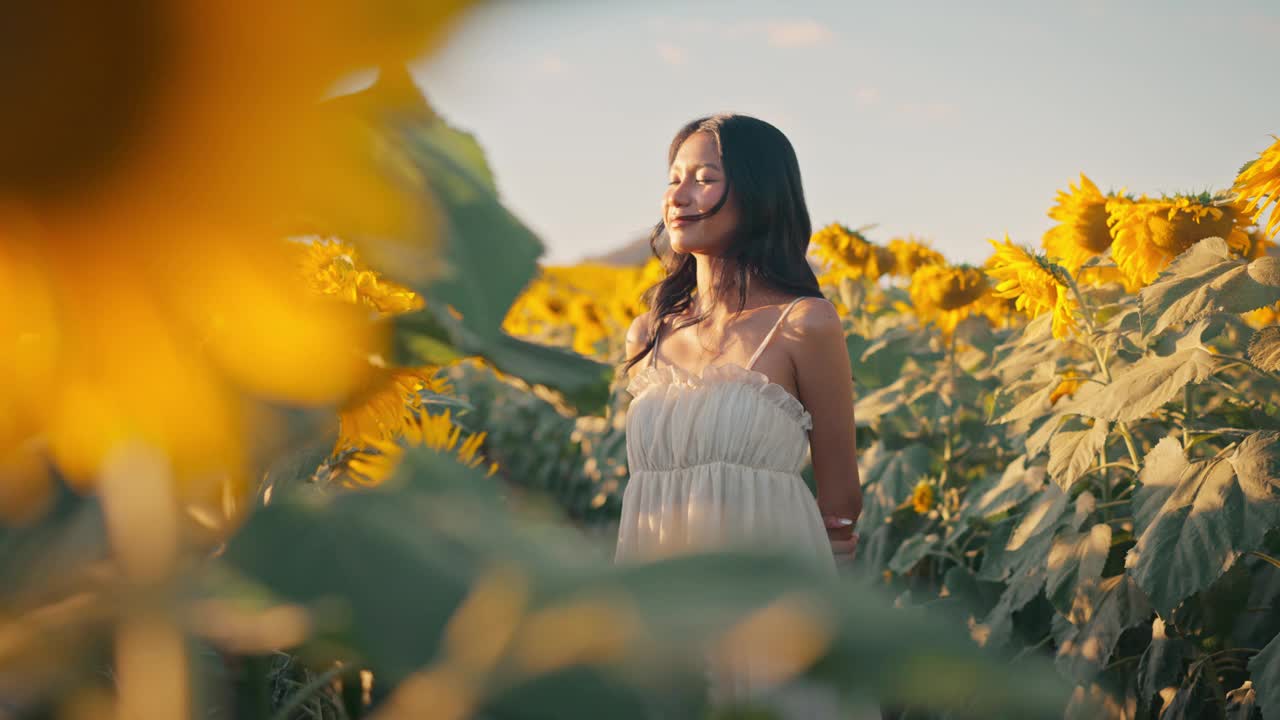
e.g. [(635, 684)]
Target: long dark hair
[(772, 238)]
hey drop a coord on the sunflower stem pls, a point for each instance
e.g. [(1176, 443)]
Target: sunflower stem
[(1186, 412), (1123, 428), (1265, 558), (1086, 311), (951, 412)]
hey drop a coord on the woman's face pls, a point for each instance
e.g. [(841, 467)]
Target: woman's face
[(695, 184)]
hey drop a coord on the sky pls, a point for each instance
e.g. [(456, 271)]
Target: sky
[(956, 122)]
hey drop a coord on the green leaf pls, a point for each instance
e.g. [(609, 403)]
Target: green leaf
[(967, 596), (1117, 604), (1041, 517), (484, 256), (385, 570), (1206, 279), (1264, 669), (996, 628), (1242, 703), (1194, 700), (1075, 564), (489, 255), (1218, 509), (1161, 663), (1074, 450), (1040, 438), (1016, 483), (1161, 469), (890, 478), (1140, 389), (915, 549), (583, 383), (1264, 348)]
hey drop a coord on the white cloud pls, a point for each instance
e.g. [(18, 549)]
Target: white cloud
[(866, 96), (797, 33), (552, 65), (671, 54)]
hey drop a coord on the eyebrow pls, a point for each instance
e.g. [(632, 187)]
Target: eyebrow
[(709, 166)]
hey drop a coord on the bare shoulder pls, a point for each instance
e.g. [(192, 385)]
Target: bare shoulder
[(816, 317), (640, 329)]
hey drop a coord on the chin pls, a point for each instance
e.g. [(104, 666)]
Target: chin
[(683, 244)]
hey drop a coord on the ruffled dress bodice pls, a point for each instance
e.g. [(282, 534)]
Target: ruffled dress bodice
[(727, 413)]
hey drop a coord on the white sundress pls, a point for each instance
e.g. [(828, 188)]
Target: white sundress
[(714, 461)]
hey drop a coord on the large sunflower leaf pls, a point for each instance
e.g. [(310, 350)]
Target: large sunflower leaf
[(1264, 348), (1242, 703), (1118, 604), (1139, 389), (1161, 469), (1042, 516), (1264, 669), (1072, 451), (1016, 483), (996, 628), (387, 570), (890, 478), (1075, 563), (1161, 663), (484, 255), (1220, 508), (583, 383), (1207, 279)]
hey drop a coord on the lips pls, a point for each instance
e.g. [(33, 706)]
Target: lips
[(681, 220)]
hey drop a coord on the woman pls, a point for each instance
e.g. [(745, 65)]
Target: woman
[(745, 368)]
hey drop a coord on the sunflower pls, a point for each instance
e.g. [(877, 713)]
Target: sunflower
[(922, 497), (946, 294), (1067, 388), (385, 413), (1082, 231), (911, 254), (1149, 233), (156, 297), (1036, 289), (335, 268), (1258, 187), (1263, 316), (588, 325), (379, 459), (846, 253)]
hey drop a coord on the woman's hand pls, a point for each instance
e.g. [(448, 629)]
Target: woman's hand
[(844, 539)]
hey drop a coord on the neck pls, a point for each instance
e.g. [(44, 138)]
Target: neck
[(720, 309)]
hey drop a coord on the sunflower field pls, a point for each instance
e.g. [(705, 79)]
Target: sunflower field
[(1076, 447), (279, 439)]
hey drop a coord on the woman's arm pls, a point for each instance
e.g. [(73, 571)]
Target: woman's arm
[(824, 378)]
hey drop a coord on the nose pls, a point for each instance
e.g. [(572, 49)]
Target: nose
[(678, 195)]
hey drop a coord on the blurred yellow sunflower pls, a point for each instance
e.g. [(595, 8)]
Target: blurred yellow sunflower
[(335, 268), (946, 294), (588, 325), (910, 254), (1066, 388), (149, 294), (1149, 233), (846, 253), (1263, 316), (922, 497), (1036, 289), (1258, 187)]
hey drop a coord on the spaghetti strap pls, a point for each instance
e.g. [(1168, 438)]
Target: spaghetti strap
[(772, 330)]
